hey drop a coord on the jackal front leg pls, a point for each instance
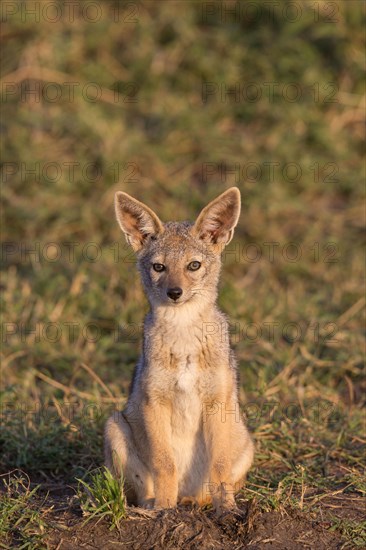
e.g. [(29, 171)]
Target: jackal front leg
[(221, 484), (164, 470)]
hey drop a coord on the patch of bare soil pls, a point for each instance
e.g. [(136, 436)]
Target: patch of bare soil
[(191, 528)]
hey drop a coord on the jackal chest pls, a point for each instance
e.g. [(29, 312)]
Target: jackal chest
[(177, 369), (185, 351), (186, 396), (185, 375), (186, 414)]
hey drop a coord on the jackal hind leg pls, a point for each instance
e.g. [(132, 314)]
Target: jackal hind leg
[(122, 459), (242, 455)]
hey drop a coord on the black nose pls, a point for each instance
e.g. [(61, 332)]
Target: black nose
[(174, 293)]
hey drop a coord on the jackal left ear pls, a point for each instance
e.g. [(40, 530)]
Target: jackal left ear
[(217, 221)]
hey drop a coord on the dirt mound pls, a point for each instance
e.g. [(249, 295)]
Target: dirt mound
[(194, 528)]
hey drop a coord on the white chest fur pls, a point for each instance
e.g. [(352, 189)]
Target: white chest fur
[(186, 414), (186, 376), (183, 338)]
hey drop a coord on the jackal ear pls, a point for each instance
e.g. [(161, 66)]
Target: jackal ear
[(137, 221), (217, 221)]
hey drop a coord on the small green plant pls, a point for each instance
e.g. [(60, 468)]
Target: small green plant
[(21, 522), (103, 497), (353, 531)]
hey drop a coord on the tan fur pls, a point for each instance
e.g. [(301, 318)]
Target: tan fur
[(181, 436)]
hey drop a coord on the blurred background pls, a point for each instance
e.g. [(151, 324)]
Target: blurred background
[(174, 102)]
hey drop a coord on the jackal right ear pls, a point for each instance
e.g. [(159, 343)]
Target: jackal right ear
[(137, 221)]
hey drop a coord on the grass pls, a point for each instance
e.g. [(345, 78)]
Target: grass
[(103, 497), (292, 283), (354, 532), (21, 522)]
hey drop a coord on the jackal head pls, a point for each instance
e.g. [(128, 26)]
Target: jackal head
[(179, 261)]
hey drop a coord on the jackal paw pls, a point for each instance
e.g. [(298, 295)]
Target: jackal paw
[(230, 517), (230, 511), (148, 503), (164, 503)]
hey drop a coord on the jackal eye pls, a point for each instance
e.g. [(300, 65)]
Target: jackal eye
[(193, 266), (158, 267)]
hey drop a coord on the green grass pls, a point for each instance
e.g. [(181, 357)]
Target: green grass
[(354, 532), (103, 497), (21, 522), (71, 326)]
